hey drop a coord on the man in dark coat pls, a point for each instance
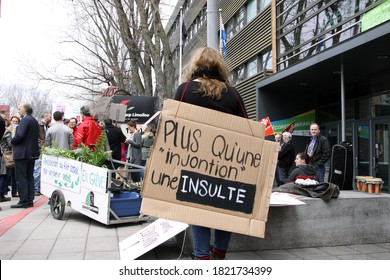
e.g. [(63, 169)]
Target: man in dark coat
[(115, 138), (286, 157), (25, 152), (318, 150)]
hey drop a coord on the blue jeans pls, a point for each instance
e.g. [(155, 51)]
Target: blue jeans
[(320, 170), (201, 240), (37, 175)]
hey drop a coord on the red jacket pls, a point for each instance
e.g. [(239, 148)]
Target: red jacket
[(88, 133)]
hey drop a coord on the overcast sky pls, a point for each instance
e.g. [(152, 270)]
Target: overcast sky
[(30, 31)]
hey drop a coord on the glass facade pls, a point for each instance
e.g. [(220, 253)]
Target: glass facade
[(307, 27)]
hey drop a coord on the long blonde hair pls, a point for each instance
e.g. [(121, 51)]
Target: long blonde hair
[(207, 60)]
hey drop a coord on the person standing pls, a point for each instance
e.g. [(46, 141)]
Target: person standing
[(147, 142), (206, 85), (3, 177), (318, 150), (134, 150), (278, 138), (59, 134), (43, 126), (115, 139), (88, 132), (72, 124), (286, 156), (7, 146), (25, 152)]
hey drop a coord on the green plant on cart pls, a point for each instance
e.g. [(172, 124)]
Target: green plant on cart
[(99, 157)]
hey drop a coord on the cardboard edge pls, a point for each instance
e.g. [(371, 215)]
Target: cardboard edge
[(189, 112), (211, 219)]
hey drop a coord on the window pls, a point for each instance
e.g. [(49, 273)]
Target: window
[(251, 10), (229, 29), (240, 73), (263, 4), (251, 67), (240, 19), (267, 60)]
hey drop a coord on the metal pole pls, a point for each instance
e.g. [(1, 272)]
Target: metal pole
[(212, 24), (342, 102), (181, 43)]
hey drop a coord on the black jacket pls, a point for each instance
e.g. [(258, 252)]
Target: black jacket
[(286, 155), (115, 138), (302, 170), (25, 141), (231, 101), (321, 151)]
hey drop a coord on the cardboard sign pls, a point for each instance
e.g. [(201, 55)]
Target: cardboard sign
[(149, 238), (211, 169)]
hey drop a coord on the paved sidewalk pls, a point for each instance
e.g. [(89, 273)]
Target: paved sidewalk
[(36, 235)]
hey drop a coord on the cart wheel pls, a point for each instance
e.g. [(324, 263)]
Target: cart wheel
[(57, 204)]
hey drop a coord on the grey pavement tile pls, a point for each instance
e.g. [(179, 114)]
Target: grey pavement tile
[(69, 245), (36, 246), (384, 245), (47, 231), (29, 257), (355, 257), (9, 247), (277, 255), (74, 229), (74, 216), (367, 248), (101, 232), (243, 256), (99, 244), (338, 250), (309, 253), (16, 234), (66, 256), (108, 255), (5, 257), (380, 256)]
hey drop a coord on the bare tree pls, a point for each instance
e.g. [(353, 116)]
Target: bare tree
[(123, 44), (16, 94), (154, 51)]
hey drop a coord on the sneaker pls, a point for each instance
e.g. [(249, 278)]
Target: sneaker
[(38, 194), (3, 199)]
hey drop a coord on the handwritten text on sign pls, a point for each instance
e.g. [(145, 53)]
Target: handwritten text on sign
[(219, 159)]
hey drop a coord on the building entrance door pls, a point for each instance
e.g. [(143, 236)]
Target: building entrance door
[(380, 158), (362, 148)]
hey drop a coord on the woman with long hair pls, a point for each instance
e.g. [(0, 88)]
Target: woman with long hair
[(206, 85)]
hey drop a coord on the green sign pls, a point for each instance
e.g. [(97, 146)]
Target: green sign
[(302, 123), (376, 16)]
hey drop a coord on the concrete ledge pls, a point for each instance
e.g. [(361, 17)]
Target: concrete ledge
[(352, 218)]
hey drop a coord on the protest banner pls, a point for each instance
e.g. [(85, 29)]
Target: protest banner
[(211, 169)]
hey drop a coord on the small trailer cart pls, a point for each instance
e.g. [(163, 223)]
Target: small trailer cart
[(91, 190)]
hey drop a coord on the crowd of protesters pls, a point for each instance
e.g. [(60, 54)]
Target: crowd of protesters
[(24, 137)]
